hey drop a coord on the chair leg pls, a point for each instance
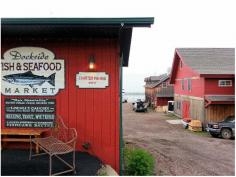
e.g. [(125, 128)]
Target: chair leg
[(50, 165), (74, 162), (30, 155)]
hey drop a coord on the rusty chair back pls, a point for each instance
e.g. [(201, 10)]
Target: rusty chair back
[(64, 134), (62, 140)]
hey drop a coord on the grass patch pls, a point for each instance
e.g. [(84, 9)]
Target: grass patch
[(138, 162), (202, 133), (171, 116)]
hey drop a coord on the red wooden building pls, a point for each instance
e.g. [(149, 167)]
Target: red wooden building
[(204, 83), (74, 67), (165, 92), (150, 88), (158, 90)]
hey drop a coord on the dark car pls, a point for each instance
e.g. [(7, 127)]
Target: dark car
[(225, 129), (139, 106)]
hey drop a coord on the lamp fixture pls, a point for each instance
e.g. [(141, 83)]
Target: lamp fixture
[(91, 62)]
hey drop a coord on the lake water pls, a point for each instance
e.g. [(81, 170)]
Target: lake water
[(132, 97)]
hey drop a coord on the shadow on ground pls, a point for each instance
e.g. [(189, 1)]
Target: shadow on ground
[(17, 163)]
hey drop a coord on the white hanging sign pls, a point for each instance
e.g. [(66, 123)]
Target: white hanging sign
[(92, 80), (31, 71)]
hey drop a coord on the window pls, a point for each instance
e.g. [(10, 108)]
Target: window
[(178, 105), (225, 83), (189, 84), (164, 85), (182, 84), (230, 119), (180, 64)]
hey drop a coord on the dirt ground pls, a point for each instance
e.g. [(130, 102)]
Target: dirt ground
[(178, 151)]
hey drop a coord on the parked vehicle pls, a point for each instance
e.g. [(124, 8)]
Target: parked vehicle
[(225, 129), (124, 97), (185, 122), (140, 106)]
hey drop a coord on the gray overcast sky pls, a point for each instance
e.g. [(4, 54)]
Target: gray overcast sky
[(178, 23)]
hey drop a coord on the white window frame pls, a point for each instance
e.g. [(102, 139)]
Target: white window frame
[(225, 85), (164, 85), (181, 64), (178, 105), (182, 84), (189, 84)]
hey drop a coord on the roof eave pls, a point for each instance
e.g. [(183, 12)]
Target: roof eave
[(217, 75), (173, 68), (124, 24)]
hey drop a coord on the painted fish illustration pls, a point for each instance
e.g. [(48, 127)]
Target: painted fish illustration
[(28, 78)]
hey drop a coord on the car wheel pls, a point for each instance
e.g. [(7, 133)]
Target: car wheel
[(185, 126), (214, 135), (226, 133)]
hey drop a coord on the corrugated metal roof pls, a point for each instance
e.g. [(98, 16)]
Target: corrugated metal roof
[(152, 78), (150, 85), (209, 60), (154, 81), (166, 92), (163, 79)]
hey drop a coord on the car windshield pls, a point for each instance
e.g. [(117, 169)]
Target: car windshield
[(229, 118)]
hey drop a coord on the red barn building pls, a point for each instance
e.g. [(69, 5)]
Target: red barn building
[(74, 67), (150, 88), (164, 93), (158, 90), (204, 83)]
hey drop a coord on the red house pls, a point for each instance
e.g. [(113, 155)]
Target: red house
[(164, 93), (151, 83), (72, 67), (204, 83), (158, 90)]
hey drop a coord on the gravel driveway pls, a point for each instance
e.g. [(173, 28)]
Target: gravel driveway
[(178, 151)]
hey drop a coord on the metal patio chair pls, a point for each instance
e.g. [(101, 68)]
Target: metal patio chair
[(62, 140)]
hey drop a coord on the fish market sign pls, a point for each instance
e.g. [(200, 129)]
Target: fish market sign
[(31, 71)]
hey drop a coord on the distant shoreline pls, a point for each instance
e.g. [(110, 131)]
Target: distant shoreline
[(134, 96), (134, 93)]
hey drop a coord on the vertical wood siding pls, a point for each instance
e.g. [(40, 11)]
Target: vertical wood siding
[(197, 110), (190, 107), (95, 113), (177, 100), (217, 113)]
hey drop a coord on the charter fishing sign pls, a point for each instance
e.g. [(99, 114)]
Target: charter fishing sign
[(31, 71)]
